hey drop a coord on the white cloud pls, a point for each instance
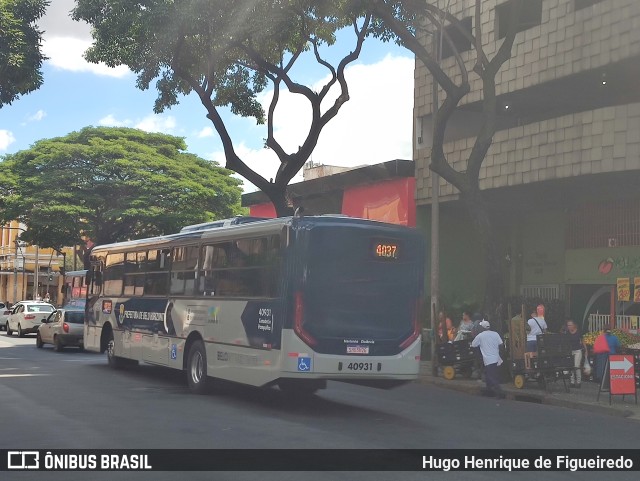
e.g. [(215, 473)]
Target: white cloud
[(38, 116), (111, 121), (6, 139), (56, 22), (66, 53), (157, 123), (374, 126), (150, 123), (65, 41), (206, 132)]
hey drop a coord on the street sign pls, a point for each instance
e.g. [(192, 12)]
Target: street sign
[(622, 374)]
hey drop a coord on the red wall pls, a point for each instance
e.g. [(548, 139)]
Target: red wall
[(390, 201), (263, 210)]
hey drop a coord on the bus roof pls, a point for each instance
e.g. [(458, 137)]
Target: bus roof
[(231, 230)]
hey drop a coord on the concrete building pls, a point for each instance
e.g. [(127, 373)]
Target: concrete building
[(19, 263), (563, 172)]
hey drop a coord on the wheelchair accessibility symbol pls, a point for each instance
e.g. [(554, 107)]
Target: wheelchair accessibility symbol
[(304, 364)]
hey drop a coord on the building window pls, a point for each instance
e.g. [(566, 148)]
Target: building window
[(606, 224), (580, 4), (530, 16), (461, 43), (547, 292)]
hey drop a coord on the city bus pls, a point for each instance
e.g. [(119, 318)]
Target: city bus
[(292, 302), (74, 290)]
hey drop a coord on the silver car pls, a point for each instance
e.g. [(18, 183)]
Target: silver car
[(62, 328)]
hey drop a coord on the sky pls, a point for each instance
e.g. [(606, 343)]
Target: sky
[(373, 127)]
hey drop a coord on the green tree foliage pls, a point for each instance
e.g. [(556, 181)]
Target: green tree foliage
[(20, 55), (112, 184), (227, 52)]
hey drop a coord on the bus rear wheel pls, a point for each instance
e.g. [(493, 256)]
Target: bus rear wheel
[(197, 368)]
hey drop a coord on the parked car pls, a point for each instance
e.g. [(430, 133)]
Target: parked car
[(26, 317), (62, 328), (5, 310)]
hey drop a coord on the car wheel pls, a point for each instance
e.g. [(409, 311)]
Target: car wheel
[(197, 368), (57, 345), (20, 331), (8, 329), (39, 342)]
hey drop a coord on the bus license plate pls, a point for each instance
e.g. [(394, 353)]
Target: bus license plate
[(360, 366)]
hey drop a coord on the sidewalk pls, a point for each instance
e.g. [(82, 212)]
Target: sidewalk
[(583, 398)]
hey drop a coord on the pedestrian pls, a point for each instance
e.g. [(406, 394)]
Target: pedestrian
[(605, 344), (577, 346), (448, 324), (536, 326), (47, 297), (464, 330), (489, 343)]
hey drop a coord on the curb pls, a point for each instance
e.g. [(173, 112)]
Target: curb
[(524, 395)]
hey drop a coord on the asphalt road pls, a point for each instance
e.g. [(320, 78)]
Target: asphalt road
[(72, 400)]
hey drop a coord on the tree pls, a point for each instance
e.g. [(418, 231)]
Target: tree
[(112, 184), (20, 55), (406, 22), (227, 53)]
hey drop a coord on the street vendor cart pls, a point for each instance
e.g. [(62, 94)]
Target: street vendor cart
[(552, 361), (457, 357)]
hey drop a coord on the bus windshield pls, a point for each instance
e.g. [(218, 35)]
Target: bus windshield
[(361, 285)]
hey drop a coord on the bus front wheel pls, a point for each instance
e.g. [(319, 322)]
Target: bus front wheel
[(197, 368)]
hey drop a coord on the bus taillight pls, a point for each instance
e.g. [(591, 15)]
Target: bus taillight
[(416, 327), (298, 321)]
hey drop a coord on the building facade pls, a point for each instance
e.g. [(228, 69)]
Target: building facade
[(27, 271), (383, 192), (562, 174)]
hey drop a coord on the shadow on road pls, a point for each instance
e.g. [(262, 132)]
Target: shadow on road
[(173, 382)]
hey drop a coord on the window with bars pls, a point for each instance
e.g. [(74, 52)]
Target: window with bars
[(606, 224), (546, 292)]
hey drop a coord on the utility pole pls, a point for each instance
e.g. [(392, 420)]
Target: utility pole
[(435, 212), (35, 274)]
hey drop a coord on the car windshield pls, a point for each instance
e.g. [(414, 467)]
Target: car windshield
[(74, 317), (40, 308)]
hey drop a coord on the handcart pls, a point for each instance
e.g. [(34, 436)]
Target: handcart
[(553, 361), (457, 357)]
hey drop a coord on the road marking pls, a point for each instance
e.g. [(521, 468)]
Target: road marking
[(22, 375), (10, 358)]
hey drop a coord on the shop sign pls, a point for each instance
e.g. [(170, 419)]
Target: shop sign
[(636, 289), (622, 374), (624, 289)]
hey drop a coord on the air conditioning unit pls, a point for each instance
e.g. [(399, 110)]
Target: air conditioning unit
[(612, 242)]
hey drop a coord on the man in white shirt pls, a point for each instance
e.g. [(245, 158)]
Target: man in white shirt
[(489, 343), (537, 325)]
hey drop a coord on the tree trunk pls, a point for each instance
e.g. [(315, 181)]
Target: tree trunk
[(481, 219)]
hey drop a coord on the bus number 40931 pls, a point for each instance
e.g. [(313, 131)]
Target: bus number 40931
[(360, 366)]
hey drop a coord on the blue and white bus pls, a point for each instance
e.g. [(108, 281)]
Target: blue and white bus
[(292, 302)]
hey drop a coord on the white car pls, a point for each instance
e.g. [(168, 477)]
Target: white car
[(26, 317), (64, 327)]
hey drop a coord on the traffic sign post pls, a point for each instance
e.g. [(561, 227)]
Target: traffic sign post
[(621, 374)]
